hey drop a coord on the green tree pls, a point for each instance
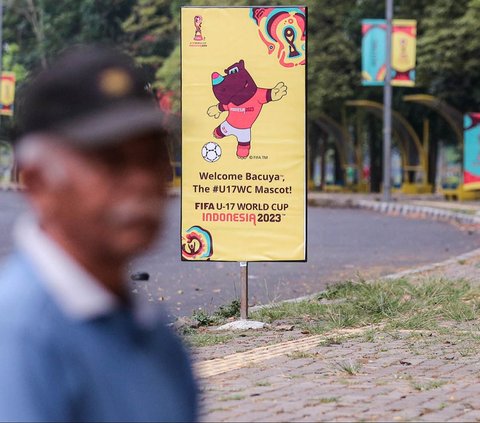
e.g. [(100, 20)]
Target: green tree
[(10, 62), (449, 52), (152, 32), (43, 28), (333, 74)]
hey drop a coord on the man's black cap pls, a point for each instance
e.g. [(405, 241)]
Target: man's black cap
[(91, 96)]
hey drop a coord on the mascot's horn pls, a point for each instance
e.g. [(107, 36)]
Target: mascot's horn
[(217, 78)]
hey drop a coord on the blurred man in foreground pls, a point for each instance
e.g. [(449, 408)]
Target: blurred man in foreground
[(73, 345)]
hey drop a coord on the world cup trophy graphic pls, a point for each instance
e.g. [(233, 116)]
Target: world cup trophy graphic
[(197, 21)]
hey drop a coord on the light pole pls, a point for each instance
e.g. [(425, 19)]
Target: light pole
[(387, 106)]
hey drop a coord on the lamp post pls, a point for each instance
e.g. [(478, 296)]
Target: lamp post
[(387, 106)]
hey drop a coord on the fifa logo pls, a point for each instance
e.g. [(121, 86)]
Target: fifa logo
[(197, 21)]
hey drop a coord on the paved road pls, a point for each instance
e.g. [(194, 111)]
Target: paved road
[(342, 244)]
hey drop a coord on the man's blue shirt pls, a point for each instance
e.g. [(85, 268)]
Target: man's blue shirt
[(105, 368)]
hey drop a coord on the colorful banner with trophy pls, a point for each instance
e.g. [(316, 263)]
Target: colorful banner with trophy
[(243, 133), (471, 151), (7, 93), (374, 38)]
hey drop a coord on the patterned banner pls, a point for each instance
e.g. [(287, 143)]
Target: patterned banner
[(471, 151), (374, 35), (7, 93), (243, 133)]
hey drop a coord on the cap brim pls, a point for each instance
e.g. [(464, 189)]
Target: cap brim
[(116, 125)]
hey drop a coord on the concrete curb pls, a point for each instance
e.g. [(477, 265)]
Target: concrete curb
[(433, 266), (403, 209), (396, 208)]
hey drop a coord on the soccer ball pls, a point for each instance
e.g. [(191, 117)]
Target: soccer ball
[(211, 152)]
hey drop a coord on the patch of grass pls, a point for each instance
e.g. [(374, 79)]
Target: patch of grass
[(219, 316), (462, 262), (213, 410), (427, 386), (468, 351), (403, 305), (350, 367), (370, 335), (318, 401), (229, 310), (327, 400), (338, 291), (340, 317), (301, 354), (236, 397), (414, 322), (460, 311), (263, 383), (199, 339), (332, 340), (203, 318), (313, 310), (294, 376)]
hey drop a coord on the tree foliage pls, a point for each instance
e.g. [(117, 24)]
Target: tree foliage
[(152, 30), (448, 51), (43, 28)]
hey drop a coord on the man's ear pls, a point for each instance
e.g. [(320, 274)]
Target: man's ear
[(36, 185), (33, 178), (43, 177), (44, 190)]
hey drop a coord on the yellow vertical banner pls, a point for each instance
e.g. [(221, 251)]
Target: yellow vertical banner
[(7, 93), (243, 133), (404, 43)]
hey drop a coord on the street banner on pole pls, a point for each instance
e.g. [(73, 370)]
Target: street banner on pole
[(374, 39), (471, 151), (403, 52), (243, 133), (7, 93)]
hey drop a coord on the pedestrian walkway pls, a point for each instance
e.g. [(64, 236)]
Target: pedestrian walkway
[(357, 374)]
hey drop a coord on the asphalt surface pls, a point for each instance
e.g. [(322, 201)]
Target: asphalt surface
[(342, 244)]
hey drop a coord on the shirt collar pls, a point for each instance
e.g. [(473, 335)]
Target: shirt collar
[(76, 291)]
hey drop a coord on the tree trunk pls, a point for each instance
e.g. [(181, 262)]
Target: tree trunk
[(376, 154)]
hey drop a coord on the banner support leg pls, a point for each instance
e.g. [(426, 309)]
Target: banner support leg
[(244, 290)]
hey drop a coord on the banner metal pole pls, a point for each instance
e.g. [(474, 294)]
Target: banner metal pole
[(244, 290), (387, 107)]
